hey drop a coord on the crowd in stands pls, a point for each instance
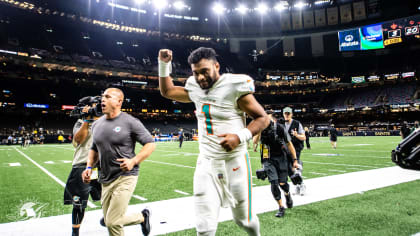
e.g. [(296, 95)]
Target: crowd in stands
[(61, 62), (394, 94)]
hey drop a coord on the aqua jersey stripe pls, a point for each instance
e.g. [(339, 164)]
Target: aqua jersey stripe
[(206, 110), (249, 186)]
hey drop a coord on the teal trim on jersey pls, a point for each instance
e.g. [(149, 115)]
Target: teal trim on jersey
[(249, 186), (206, 110)]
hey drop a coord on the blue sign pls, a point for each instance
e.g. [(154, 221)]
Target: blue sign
[(371, 37), (31, 105), (349, 40)]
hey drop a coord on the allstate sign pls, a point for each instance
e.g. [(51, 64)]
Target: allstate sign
[(349, 40), (32, 105)]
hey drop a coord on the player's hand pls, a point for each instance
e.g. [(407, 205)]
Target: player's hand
[(230, 141), (165, 55), (86, 175), (294, 133), (126, 164)]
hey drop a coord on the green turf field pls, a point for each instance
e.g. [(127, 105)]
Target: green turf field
[(168, 173)]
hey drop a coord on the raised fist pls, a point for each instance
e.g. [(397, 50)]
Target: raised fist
[(165, 55)]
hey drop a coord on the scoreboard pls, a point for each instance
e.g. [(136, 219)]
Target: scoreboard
[(381, 35)]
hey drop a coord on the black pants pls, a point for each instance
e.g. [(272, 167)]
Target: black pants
[(180, 142), (77, 192)]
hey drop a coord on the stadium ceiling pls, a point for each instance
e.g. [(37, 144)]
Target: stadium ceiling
[(203, 9), (197, 7), (210, 17)]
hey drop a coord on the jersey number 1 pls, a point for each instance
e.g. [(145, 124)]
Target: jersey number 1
[(206, 110)]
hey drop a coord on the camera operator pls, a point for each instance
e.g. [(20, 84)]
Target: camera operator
[(76, 191), (296, 132), (274, 144)]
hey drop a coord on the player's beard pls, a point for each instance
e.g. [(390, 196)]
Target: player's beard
[(208, 81)]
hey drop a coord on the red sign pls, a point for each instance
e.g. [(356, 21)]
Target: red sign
[(67, 107)]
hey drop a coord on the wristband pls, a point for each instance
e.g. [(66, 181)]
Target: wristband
[(87, 121), (164, 68), (244, 135), (89, 168)]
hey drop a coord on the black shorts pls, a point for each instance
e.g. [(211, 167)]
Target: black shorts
[(76, 192), (333, 138), (277, 169)]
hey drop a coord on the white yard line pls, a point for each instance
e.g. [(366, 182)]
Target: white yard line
[(353, 168), (15, 164), (90, 204), (337, 164), (181, 192), (170, 164), (316, 173), (178, 214), (323, 149), (341, 171), (66, 147), (140, 198)]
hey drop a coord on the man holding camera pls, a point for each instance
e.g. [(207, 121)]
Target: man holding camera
[(77, 192), (275, 145), (114, 139), (296, 132)]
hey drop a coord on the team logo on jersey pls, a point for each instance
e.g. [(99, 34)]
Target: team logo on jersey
[(117, 129)]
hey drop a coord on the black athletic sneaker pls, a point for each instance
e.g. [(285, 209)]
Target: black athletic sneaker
[(289, 200), (102, 222), (281, 212), (145, 225)]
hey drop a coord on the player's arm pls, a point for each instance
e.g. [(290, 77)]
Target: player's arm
[(250, 106), (166, 85)]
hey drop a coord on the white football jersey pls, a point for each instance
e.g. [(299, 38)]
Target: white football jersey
[(218, 113)]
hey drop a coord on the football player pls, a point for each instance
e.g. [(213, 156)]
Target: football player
[(223, 175)]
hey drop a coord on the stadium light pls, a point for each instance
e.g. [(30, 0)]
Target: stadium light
[(218, 8), (300, 5), (319, 2), (262, 8), (160, 4), (279, 7), (242, 9), (138, 2), (179, 5)]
